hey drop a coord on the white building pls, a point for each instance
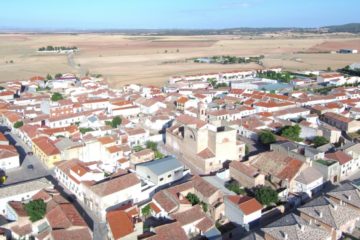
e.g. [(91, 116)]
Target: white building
[(242, 210), (21, 192)]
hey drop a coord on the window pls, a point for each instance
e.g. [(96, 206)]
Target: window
[(169, 176), (161, 179)]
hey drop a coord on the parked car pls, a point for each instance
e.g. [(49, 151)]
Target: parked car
[(30, 167), (30, 153)]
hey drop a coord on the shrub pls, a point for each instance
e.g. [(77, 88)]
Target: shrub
[(193, 199), (266, 137), (36, 209), (266, 195), (18, 124), (56, 97)]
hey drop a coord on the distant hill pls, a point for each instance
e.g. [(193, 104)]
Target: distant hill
[(350, 27)]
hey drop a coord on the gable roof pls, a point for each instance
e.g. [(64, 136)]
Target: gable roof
[(246, 204), (120, 223)]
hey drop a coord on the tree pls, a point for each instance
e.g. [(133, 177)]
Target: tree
[(3, 179), (235, 187), (193, 199), (158, 155), (292, 132), (85, 130), (319, 141), (328, 69), (152, 145), (204, 206), (18, 124), (35, 209), (266, 137), (116, 122), (266, 195), (146, 211), (56, 97), (48, 77), (58, 75)]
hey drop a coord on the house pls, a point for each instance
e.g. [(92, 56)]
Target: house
[(246, 175), (161, 171), (170, 231), (205, 146), (346, 194), (195, 222), (341, 122), (105, 195), (348, 164), (44, 148), (136, 136), (292, 226), (149, 106), (278, 167), (328, 77), (9, 157), (124, 223), (333, 217), (61, 220), (71, 173), (242, 210), (173, 199), (142, 156), (21, 192), (309, 181)]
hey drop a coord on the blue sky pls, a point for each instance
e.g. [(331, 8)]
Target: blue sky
[(175, 14)]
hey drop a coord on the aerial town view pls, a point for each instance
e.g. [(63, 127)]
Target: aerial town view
[(176, 120)]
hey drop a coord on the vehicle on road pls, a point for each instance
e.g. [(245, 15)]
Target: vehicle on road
[(30, 167), (30, 153)]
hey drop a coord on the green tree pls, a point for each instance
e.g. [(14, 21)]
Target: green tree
[(266, 195), (48, 77), (158, 155), (193, 199), (291, 132), (146, 211), (235, 187), (266, 137), (116, 122), (204, 206), (58, 75), (328, 69), (152, 145), (18, 124), (319, 141), (35, 209), (56, 97), (85, 130)]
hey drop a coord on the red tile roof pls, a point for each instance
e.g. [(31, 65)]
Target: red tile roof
[(46, 145), (339, 156), (120, 223), (248, 205), (64, 216)]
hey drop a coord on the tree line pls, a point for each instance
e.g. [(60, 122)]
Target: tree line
[(56, 48)]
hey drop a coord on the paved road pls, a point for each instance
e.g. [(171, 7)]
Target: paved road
[(23, 173)]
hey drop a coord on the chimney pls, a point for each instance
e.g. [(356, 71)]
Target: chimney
[(348, 197), (320, 214), (285, 235), (302, 227)]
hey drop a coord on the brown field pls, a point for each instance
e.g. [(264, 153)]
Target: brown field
[(152, 60)]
